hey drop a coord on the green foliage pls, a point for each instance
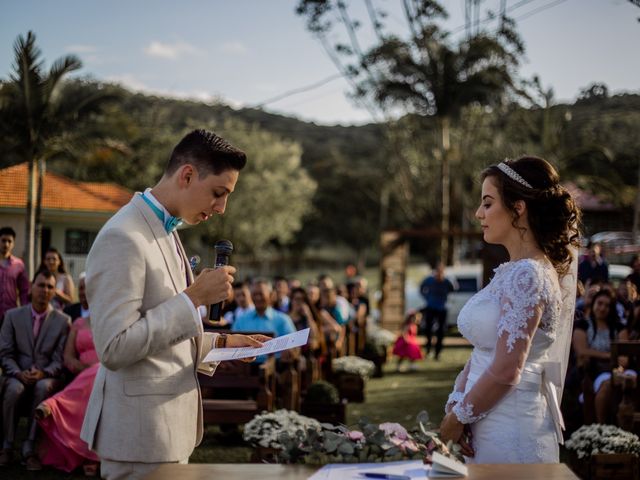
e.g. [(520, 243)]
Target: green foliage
[(322, 392), (273, 195)]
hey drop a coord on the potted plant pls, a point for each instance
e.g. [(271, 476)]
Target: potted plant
[(322, 402), (264, 430), (604, 452), (350, 373)]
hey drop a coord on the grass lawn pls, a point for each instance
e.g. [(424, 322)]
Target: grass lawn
[(396, 397)]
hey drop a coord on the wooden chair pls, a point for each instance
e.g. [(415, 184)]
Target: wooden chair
[(238, 391)]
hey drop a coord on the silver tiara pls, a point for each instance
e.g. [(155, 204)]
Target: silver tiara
[(513, 175)]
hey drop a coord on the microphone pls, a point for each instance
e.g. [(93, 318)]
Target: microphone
[(223, 250)]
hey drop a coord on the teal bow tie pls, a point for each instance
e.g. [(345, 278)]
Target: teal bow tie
[(170, 223)]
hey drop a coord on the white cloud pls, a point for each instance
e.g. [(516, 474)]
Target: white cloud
[(233, 48), (80, 48), (170, 51), (130, 82)]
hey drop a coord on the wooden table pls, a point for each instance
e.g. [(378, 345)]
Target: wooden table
[(256, 471)]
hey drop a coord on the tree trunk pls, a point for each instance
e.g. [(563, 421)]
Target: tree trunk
[(37, 242), (30, 223), (446, 193), (636, 213)]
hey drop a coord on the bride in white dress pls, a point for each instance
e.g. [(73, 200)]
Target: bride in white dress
[(505, 404)]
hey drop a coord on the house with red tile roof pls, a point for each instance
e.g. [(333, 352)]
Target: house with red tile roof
[(72, 212)]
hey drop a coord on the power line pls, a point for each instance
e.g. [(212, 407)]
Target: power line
[(540, 9), (295, 91)]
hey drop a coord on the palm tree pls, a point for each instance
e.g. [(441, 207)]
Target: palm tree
[(37, 120), (425, 74)]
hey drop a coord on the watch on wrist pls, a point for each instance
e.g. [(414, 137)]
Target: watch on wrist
[(221, 341)]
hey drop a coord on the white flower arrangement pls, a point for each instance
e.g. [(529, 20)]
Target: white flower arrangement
[(265, 429), (597, 438), (380, 337), (352, 364)]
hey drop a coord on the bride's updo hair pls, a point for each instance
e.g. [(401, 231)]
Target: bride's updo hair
[(552, 213)]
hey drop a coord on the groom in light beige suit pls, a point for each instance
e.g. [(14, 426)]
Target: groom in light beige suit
[(145, 408)]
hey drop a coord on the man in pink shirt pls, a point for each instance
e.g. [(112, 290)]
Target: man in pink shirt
[(13, 277)]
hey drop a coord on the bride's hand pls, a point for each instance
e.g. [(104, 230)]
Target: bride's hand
[(451, 429)]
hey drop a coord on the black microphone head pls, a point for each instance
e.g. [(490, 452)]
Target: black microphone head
[(223, 247)]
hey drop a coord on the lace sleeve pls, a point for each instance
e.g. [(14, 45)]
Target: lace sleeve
[(458, 389), (522, 305)]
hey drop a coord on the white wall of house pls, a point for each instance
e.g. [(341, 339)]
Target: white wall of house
[(60, 223)]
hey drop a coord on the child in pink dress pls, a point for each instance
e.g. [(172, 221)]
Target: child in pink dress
[(60, 416), (406, 346)]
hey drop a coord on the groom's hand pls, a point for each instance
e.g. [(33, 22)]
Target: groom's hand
[(213, 285), (239, 340)]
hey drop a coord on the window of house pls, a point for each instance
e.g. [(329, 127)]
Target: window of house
[(78, 241)]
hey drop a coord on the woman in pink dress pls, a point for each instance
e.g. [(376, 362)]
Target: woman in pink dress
[(406, 346), (60, 416)]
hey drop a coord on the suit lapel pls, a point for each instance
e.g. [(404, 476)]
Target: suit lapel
[(165, 243), (27, 324), (197, 341)]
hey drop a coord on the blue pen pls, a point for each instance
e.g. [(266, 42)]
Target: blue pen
[(386, 476)]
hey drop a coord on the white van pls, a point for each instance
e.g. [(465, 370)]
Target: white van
[(466, 278)]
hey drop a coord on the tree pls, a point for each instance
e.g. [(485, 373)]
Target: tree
[(37, 120), (273, 195), (425, 73)]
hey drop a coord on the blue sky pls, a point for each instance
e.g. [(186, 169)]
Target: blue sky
[(248, 51)]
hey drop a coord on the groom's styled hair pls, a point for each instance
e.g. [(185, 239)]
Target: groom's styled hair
[(208, 152)]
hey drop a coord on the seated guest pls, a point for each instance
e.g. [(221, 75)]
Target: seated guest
[(32, 341), (283, 302), (264, 318), (78, 309), (60, 416), (242, 297), (65, 290), (304, 315), (592, 346)]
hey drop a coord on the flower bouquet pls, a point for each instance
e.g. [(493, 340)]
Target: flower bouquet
[(350, 374), (369, 442)]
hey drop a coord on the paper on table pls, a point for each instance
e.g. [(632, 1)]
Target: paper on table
[(445, 467), (292, 340), (413, 469)]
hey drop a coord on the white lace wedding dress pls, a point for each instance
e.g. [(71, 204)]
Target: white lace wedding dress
[(506, 391)]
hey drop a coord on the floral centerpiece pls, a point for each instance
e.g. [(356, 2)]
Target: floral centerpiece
[(589, 440), (378, 340), (264, 430), (369, 442), (355, 365)]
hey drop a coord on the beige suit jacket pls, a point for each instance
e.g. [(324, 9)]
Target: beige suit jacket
[(145, 405)]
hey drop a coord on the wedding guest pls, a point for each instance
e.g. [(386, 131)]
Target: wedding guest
[(592, 339), (14, 283), (282, 302), (265, 318), (60, 416), (32, 341), (243, 301), (65, 289), (593, 268), (435, 289), (406, 345)]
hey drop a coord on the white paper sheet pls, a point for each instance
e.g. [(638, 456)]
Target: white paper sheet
[(413, 469), (278, 344)]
